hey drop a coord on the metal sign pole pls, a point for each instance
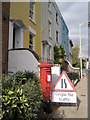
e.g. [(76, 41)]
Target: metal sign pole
[(80, 49)]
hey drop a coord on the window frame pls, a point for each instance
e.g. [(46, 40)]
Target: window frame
[(50, 48), (56, 17), (49, 6), (31, 16), (49, 28), (32, 45), (57, 36)]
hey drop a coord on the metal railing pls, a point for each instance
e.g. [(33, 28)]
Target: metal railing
[(50, 61)]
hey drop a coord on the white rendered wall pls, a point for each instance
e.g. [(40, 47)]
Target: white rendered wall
[(55, 73), (21, 60), (50, 16)]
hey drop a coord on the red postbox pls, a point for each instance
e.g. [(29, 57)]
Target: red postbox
[(45, 79)]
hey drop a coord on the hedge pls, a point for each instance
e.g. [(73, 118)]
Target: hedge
[(21, 98)]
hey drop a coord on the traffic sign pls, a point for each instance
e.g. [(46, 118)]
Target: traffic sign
[(64, 90)]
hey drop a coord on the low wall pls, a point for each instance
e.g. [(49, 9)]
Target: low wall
[(55, 73), (69, 68), (21, 60)]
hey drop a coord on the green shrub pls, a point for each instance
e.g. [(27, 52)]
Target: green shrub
[(21, 97), (32, 91), (14, 103), (73, 76)]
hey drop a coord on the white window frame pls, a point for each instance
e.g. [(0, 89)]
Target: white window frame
[(32, 45), (57, 17), (33, 32), (49, 28), (49, 6), (32, 10), (50, 51), (57, 36)]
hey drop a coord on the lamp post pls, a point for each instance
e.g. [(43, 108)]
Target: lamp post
[(80, 49)]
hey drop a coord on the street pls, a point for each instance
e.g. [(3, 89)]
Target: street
[(75, 111)]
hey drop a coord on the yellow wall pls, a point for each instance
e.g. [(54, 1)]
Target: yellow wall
[(20, 10)]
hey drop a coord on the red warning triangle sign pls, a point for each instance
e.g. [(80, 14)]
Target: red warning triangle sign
[(64, 84)]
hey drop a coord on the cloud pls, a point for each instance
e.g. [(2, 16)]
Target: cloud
[(75, 13), (71, 0)]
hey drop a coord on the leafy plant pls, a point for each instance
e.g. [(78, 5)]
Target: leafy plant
[(32, 91), (75, 59), (73, 76), (21, 100), (59, 55), (14, 104)]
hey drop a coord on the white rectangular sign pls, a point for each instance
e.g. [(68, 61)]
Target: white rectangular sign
[(64, 97)]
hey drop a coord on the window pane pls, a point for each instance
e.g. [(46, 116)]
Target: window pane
[(57, 36), (32, 10), (49, 28), (31, 41)]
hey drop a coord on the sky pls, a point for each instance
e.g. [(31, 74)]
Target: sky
[(75, 13)]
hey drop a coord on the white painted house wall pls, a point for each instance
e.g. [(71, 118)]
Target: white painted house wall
[(56, 70), (25, 61), (50, 16)]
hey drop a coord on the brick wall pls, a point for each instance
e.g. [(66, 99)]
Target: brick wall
[(5, 36)]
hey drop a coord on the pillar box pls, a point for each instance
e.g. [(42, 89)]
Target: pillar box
[(45, 79)]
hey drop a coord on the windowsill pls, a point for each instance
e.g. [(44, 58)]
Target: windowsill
[(50, 11), (32, 20), (50, 37)]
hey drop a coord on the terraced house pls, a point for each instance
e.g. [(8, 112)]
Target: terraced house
[(51, 29), (33, 29), (54, 31), (24, 35)]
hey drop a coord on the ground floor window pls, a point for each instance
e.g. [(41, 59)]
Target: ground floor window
[(31, 41), (49, 51)]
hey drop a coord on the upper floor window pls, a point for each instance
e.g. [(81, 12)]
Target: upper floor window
[(31, 41), (49, 6), (56, 36), (57, 18), (32, 7), (49, 28), (63, 27)]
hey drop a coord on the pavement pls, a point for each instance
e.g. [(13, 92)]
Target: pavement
[(80, 110)]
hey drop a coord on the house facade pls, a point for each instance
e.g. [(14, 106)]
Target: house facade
[(51, 29), (65, 37), (33, 29), (24, 48), (70, 50), (25, 26)]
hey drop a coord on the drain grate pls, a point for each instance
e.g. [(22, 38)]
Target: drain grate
[(83, 95)]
